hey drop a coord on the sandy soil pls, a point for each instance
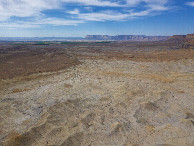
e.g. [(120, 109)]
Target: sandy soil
[(102, 101)]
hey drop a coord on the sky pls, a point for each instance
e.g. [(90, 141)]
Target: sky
[(78, 18)]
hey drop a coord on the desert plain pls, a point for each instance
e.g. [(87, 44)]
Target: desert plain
[(96, 94)]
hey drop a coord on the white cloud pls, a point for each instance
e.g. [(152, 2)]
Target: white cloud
[(75, 11), (141, 13), (29, 8), (190, 3), (24, 8), (102, 16), (150, 6), (31, 13), (113, 16), (81, 18), (55, 21), (133, 2), (88, 8), (104, 3), (153, 4), (39, 23)]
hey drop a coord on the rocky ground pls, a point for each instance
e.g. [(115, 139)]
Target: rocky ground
[(102, 101)]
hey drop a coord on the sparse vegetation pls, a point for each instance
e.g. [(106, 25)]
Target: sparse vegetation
[(74, 42), (42, 43), (104, 42)]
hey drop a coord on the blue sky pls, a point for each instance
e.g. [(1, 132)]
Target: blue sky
[(77, 18)]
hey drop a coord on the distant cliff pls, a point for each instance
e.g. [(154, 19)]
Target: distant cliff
[(127, 37), (184, 41), (190, 36), (182, 37), (189, 42), (177, 37)]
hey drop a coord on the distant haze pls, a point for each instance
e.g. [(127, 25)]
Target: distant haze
[(89, 38)]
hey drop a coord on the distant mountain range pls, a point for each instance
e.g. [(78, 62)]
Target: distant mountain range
[(127, 37), (100, 37), (39, 38)]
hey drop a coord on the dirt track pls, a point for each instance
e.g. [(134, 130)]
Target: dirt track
[(106, 99)]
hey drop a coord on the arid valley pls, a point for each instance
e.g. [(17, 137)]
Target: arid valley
[(97, 93)]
